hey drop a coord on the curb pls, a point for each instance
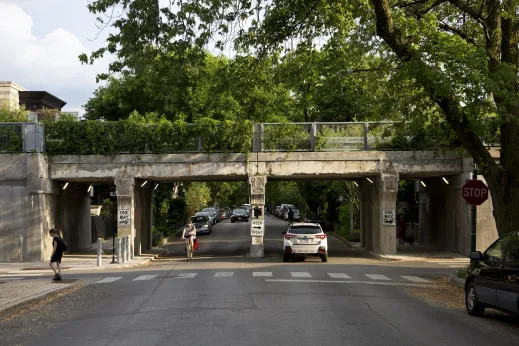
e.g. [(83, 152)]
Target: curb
[(15, 307), (454, 280), (371, 253)]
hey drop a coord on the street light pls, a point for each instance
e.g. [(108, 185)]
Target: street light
[(371, 181), (65, 186), (144, 183), (445, 180)]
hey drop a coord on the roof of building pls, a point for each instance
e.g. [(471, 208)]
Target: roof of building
[(43, 97)]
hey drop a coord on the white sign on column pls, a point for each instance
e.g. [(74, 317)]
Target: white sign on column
[(123, 217), (388, 217), (257, 228)]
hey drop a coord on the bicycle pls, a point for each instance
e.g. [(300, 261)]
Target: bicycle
[(189, 249)]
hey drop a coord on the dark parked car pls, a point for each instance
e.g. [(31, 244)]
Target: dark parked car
[(239, 215), (493, 277)]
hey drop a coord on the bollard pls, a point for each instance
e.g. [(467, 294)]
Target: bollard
[(99, 252), (126, 248), (118, 249), (123, 249)]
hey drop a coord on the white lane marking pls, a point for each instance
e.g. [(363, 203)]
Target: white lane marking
[(10, 278), (301, 275), (378, 277), (339, 276), (109, 280), (223, 274), (19, 275), (145, 277), (269, 274), (415, 279), (346, 282), (186, 275)]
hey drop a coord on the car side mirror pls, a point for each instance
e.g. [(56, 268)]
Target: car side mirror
[(284, 232), (476, 256)]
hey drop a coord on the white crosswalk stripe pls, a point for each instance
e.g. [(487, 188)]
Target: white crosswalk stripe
[(269, 274), (186, 275), (415, 279), (377, 277), (145, 277), (339, 276), (20, 275), (223, 274), (109, 280), (301, 275)]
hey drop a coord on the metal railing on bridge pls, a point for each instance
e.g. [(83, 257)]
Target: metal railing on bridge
[(112, 138), (22, 137)]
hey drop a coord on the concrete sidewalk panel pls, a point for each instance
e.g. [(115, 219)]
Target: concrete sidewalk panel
[(17, 295)]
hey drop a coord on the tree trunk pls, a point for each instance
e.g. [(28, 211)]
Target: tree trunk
[(505, 201)]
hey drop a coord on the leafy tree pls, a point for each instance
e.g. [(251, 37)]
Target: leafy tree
[(198, 195)]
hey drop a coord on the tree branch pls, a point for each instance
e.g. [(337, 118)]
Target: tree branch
[(450, 106), (471, 11), (457, 31)]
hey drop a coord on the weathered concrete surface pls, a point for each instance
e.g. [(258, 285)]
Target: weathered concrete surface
[(486, 231), (308, 165), (27, 199)]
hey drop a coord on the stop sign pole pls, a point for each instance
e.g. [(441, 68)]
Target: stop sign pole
[(474, 192)]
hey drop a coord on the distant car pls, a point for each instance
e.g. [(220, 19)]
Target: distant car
[(239, 215), (493, 277), (213, 213), (202, 223), (304, 240)]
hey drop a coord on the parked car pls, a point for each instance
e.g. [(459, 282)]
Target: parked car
[(202, 223), (305, 239), (493, 277), (213, 213), (297, 215), (208, 215), (239, 215)]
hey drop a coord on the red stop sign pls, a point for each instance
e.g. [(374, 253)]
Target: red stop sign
[(475, 192)]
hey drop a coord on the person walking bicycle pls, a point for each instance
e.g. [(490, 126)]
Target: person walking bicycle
[(189, 235), (291, 216)]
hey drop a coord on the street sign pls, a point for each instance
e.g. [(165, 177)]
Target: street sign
[(388, 217), (123, 217), (474, 192), (257, 228)]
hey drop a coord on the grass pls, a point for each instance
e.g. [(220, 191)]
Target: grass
[(462, 272)]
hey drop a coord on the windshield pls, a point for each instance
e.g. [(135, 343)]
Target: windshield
[(239, 212), (305, 230), (209, 210), (199, 218)]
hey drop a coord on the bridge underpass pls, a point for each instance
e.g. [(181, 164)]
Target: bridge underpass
[(445, 221)]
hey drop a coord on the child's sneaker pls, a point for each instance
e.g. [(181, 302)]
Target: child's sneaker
[(57, 278)]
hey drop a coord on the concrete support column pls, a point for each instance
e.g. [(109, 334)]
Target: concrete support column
[(125, 206), (257, 200), (143, 216), (74, 216), (365, 202), (118, 249), (384, 234)]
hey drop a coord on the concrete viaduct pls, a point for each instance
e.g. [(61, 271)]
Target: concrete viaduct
[(32, 198)]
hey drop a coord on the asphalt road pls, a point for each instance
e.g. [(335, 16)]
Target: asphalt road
[(224, 298)]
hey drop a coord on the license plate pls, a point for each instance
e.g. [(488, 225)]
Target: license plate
[(303, 251), (306, 241)]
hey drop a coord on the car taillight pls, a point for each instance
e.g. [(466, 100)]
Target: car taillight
[(290, 236), (320, 236)]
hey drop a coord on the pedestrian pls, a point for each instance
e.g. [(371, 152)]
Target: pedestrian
[(291, 216), (58, 247), (401, 229)]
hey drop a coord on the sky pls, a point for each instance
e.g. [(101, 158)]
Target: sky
[(40, 41)]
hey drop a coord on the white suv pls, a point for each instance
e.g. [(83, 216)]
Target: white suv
[(305, 239)]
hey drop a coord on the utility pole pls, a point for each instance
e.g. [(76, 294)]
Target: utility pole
[(474, 215)]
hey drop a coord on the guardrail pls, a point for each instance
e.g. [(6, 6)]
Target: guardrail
[(22, 137), (112, 138)]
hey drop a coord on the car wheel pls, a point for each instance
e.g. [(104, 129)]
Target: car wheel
[(232, 221), (324, 257), (472, 304), (286, 258)]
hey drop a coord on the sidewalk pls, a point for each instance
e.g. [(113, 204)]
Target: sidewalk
[(416, 252), (18, 294), (81, 261)]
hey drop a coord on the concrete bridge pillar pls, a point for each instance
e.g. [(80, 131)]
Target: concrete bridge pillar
[(257, 200), (378, 197), (124, 190), (143, 216), (74, 216)]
